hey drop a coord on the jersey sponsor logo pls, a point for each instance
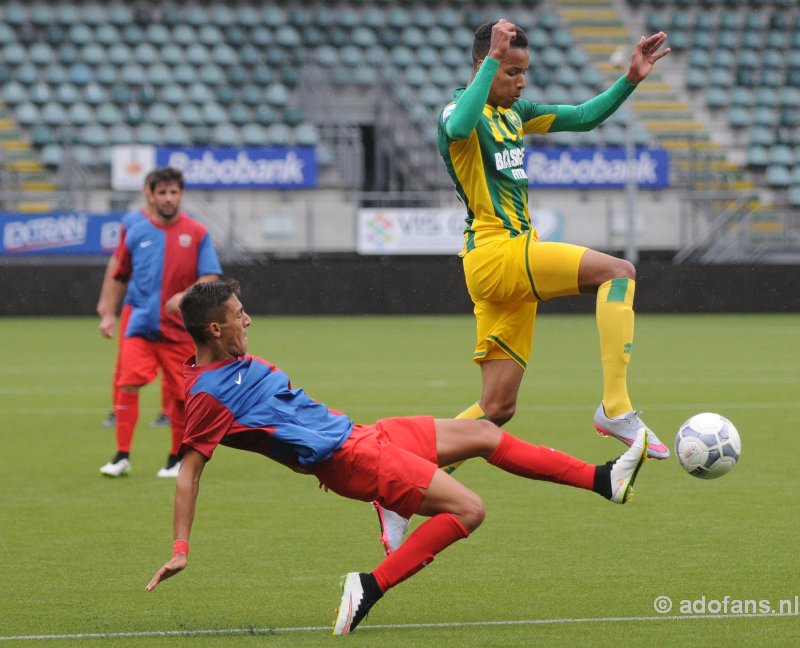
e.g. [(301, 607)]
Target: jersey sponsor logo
[(513, 159), (185, 240)]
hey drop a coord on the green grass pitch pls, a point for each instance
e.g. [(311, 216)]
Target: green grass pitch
[(550, 566)]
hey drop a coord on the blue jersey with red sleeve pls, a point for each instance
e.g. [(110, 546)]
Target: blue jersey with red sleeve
[(248, 403), (157, 262)]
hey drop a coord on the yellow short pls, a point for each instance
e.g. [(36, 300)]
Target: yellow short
[(506, 279)]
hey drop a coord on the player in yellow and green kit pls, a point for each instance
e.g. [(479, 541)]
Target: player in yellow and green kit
[(508, 270)]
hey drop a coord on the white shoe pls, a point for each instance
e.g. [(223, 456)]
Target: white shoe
[(120, 468), (356, 602), (625, 468), (169, 472), (625, 428), (393, 528)]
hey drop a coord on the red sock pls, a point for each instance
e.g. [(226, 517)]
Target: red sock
[(127, 410), (419, 549), (177, 424), (539, 462)]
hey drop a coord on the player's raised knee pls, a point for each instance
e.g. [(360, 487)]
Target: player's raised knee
[(499, 412), (471, 511)]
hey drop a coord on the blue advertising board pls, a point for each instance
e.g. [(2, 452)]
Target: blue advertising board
[(595, 168), (242, 168), (59, 233)]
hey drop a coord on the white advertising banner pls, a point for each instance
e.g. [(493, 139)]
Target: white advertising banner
[(429, 231), (130, 165)]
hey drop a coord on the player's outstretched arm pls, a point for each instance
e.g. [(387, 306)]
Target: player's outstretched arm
[(645, 55), (186, 489)]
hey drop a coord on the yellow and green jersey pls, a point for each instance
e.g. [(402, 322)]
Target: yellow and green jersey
[(483, 150)]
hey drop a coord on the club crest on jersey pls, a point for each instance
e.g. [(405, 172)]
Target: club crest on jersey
[(514, 119), (185, 240)]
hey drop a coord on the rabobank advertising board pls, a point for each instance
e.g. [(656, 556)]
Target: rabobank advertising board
[(595, 168), (242, 168)]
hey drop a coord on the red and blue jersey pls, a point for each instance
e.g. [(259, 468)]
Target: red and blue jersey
[(248, 403), (158, 262), (129, 220)]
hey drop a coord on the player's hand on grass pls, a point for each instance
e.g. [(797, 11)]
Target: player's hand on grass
[(503, 33), (176, 564), (107, 325), (644, 56)]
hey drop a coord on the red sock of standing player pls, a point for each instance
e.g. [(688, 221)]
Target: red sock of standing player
[(419, 549), (539, 462), (127, 410)]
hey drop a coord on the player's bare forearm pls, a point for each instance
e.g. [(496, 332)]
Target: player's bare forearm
[(110, 297), (186, 490)]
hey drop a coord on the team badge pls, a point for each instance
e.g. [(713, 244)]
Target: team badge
[(185, 240), (513, 119)]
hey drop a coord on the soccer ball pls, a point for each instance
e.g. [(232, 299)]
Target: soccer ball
[(708, 446)]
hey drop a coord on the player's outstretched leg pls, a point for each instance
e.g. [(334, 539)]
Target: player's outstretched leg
[(625, 427)]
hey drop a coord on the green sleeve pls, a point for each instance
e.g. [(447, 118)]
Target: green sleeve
[(585, 116), (469, 106)]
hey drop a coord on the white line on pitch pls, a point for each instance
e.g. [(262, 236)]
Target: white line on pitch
[(235, 632)]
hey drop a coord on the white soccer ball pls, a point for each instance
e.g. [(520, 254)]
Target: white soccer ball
[(708, 446)]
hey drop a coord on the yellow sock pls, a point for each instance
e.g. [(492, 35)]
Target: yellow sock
[(474, 411), (615, 326)]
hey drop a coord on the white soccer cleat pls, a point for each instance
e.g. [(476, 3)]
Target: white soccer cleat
[(393, 528), (358, 597), (625, 468), (625, 428), (168, 473), (119, 468)]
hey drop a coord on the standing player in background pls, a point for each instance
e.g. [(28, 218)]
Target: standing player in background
[(244, 402), (108, 317), (158, 258), (508, 271)]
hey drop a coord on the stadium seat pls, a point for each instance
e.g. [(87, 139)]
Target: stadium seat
[(265, 115), (121, 134), (211, 75), (185, 74), (132, 35), (80, 114), (173, 94), (176, 135), (160, 114), (213, 114), (94, 135), (253, 135), (306, 135), (106, 35), (52, 155), (40, 134), (40, 94), (27, 113), (777, 176), (739, 117), (199, 93), (225, 95), (279, 135), (147, 133), (189, 115), (184, 35), (119, 54), (54, 114), (108, 114), (239, 114), (226, 134)]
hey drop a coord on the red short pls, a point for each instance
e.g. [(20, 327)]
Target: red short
[(392, 462), (140, 359)]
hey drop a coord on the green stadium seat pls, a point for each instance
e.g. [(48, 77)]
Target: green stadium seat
[(364, 76), (40, 94), (160, 114), (247, 16), (413, 37), (226, 134), (27, 74), (41, 14), (293, 116), (252, 95), (189, 114), (16, 14), (277, 95), (235, 36), (772, 77), (765, 116), (80, 74), (199, 93), (80, 34), (133, 74), (211, 75), (717, 98), (107, 35), (224, 55), (397, 18), (14, 93), (132, 35), (553, 58), (184, 74), (287, 37), (14, 54), (177, 135), (148, 134), (94, 94), (225, 95), (67, 94), (195, 15), (265, 115), (253, 135), (782, 155), (105, 74), (777, 176), (40, 134), (197, 54), (720, 78), (210, 35), (121, 135), (793, 196), (54, 114), (173, 95), (80, 114), (240, 115), (54, 35), (739, 117), (279, 134), (27, 114), (108, 114), (184, 35), (51, 155), (761, 136), (306, 135), (94, 135), (213, 114), (221, 16)]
